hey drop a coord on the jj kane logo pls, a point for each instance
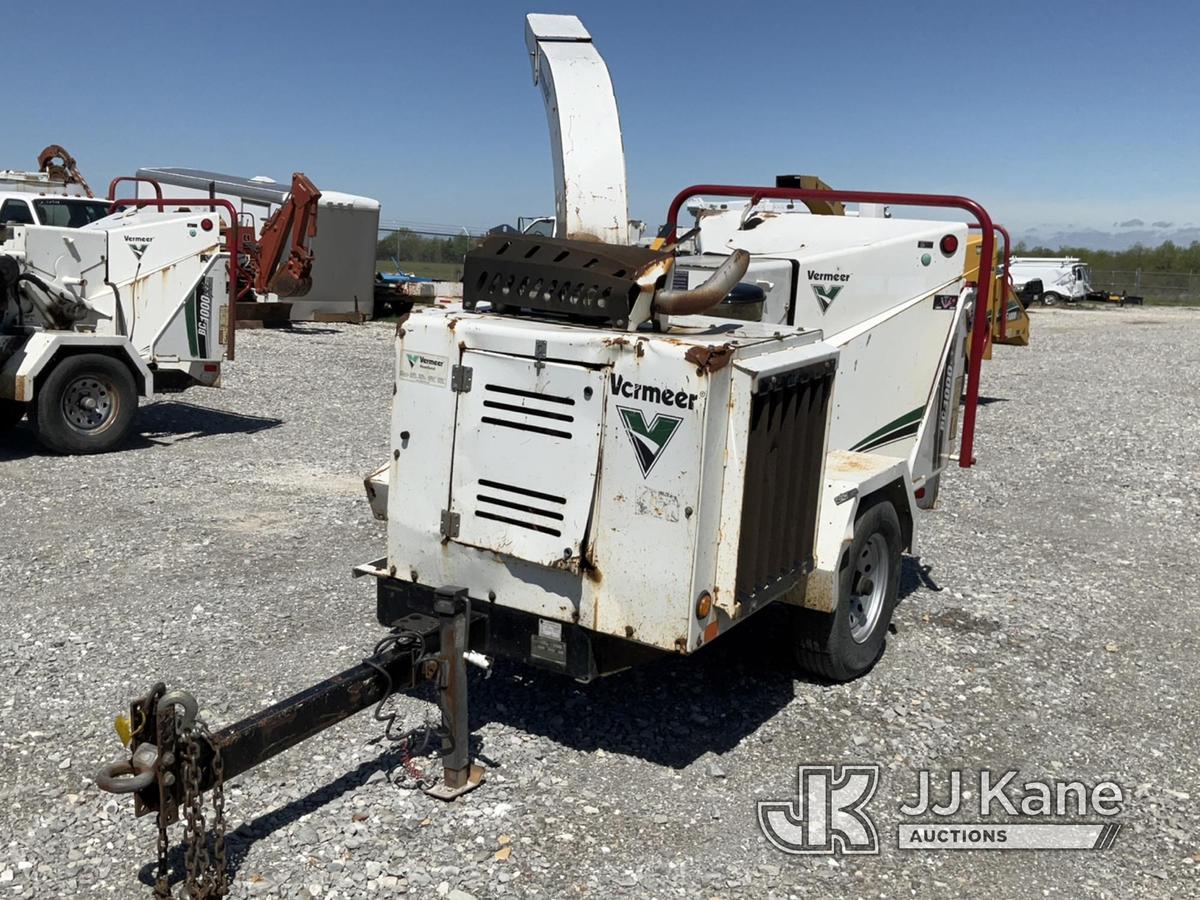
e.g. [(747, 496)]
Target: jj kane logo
[(830, 813), (827, 293), (649, 440), (138, 245)]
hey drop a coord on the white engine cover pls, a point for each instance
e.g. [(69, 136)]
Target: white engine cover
[(589, 476)]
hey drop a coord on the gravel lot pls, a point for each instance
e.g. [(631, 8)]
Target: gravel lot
[(1056, 633)]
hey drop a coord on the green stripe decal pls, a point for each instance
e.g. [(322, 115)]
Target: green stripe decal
[(190, 314), (911, 418), (891, 437)]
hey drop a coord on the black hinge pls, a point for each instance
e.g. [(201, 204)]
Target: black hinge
[(450, 521), (460, 379)]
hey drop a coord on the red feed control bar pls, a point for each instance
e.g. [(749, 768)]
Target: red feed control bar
[(966, 456)]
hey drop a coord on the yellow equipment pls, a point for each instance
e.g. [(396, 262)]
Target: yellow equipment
[(1013, 327)]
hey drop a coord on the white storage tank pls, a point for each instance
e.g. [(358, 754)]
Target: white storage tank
[(343, 273)]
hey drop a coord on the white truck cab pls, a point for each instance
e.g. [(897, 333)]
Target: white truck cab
[(22, 208), (1064, 278)]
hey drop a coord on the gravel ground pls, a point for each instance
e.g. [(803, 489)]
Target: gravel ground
[(1055, 633)]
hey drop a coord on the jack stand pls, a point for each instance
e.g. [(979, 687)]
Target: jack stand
[(459, 774)]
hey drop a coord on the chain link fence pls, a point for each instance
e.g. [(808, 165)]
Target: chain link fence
[(1156, 287), (432, 251)]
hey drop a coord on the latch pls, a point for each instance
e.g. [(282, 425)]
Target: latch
[(460, 379)]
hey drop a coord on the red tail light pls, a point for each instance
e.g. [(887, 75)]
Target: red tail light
[(207, 225), (949, 244)]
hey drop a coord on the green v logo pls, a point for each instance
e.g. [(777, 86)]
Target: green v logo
[(826, 294), (648, 441), (412, 358)]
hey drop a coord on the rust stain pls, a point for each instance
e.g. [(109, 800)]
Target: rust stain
[(629, 631), (709, 359), (568, 564), (19, 387), (848, 461), (819, 591)]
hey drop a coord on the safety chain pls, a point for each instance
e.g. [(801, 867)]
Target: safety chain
[(206, 876)]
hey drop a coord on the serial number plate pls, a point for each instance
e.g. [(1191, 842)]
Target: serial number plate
[(549, 650)]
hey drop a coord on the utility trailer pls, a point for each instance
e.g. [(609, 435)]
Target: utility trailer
[(592, 468)]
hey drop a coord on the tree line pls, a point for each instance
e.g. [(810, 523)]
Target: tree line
[(1166, 257), (411, 246)]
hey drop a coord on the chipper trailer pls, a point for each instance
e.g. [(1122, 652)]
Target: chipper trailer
[(131, 305), (591, 467)]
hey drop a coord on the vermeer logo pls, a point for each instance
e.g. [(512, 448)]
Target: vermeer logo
[(424, 367), (648, 441), (827, 293), (138, 245)]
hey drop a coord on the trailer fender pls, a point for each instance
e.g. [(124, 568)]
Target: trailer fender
[(851, 481), (20, 373), (377, 490)]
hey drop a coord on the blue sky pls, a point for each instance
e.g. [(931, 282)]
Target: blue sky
[(1090, 113)]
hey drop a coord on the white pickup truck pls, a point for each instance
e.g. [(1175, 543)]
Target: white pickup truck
[(21, 208)]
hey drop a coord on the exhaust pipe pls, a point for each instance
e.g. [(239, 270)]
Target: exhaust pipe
[(699, 300)]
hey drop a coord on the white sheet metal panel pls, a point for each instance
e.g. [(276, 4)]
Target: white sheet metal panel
[(526, 453)]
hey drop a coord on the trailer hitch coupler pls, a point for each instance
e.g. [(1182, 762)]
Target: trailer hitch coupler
[(129, 776)]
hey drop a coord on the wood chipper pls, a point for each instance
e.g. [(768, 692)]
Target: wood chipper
[(99, 311), (595, 464)]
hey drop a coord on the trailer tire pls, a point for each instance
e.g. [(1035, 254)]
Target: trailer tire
[(86, 404), (846, 643), (1051, 299), (11, 412)]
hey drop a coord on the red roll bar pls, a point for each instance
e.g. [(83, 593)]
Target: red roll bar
[(966, 454), (112, 185), (231, 239), (1007, 274)]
